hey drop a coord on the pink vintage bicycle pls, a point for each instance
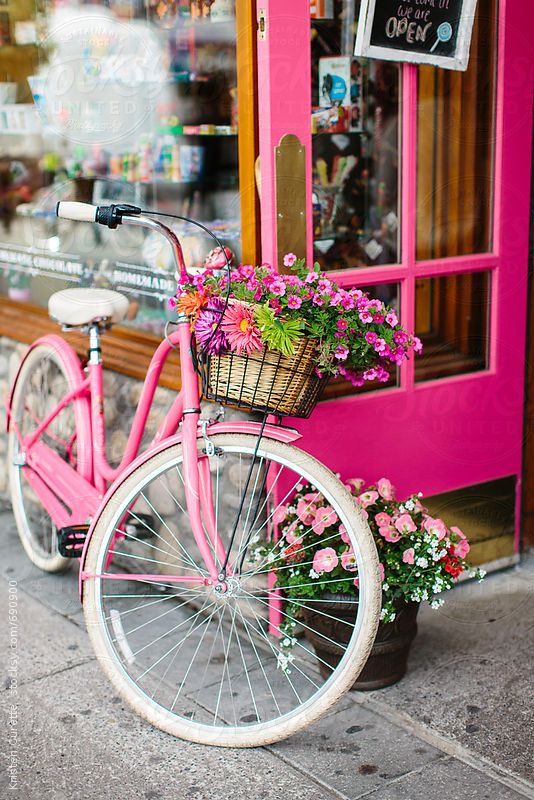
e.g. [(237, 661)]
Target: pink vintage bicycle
[(181, 604)]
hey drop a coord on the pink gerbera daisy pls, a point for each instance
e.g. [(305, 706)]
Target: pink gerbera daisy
[(241, 331)]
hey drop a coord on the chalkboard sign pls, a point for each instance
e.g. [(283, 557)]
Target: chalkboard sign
[(419, 31)]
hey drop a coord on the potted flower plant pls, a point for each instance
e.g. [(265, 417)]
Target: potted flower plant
[(270, 341), (420, 558)]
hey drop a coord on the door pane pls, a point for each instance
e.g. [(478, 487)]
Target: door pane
[(456, 149), (355, 146), (452, 320), (388, 293)]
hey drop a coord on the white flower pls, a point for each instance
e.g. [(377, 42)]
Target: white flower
[(402, 509), (422, 562), (313, 574), (385, 587), (271, 556), (436, 603), (481, 573), (286, 642), (410, 505)]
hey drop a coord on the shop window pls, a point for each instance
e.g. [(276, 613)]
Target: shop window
[(452, 320), (485, 513), (120, 102), (355, 121), (388, 293), (455, 149)]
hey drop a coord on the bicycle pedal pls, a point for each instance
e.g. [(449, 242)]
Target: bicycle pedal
[(71, 539), (141, 526)]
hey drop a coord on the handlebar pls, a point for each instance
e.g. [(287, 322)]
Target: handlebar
[(123, 214)]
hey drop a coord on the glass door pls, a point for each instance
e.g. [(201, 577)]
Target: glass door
[(413, 195)]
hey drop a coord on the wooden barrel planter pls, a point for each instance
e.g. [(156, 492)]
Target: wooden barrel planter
[(387, 663)]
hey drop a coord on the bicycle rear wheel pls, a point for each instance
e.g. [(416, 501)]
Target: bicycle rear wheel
[(210, 668), (44, 379)]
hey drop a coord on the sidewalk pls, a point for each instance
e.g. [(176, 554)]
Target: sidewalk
[(458, 727)]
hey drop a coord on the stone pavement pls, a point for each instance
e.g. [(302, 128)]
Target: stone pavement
[(457, 727)]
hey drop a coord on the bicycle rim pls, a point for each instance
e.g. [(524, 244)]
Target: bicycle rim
[(209, 668)]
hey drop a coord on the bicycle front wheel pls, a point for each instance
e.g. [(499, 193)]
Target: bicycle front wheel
[(208, 667)]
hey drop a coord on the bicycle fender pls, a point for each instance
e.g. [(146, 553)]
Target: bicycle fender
[(278, 432)]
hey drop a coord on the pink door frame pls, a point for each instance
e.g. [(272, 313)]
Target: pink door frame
[(448, 433)]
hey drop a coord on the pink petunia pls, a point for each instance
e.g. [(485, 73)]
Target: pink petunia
[(348, 560), (341, 352), (436, 527), (462, 548), (390, 533), (278, 287), (409, 556), (323, 519), (289, 259), (382, 519), (240, 329), (311, 277), (457, 532), (279, 515), (306, 511), (367, 499), (355, 484), (405, 524), (325, 560), (343, 533), (291, 538), (386, 489)]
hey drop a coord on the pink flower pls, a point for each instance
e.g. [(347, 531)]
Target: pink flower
[(405, 524), (289, 259), (382, 571), (367, 499), (279, 515), (348, 560), (417, 344), (392, 319), (278, 287), (311, 277), (294, 301), (386, 489), (306, 511), (210, 336), (365, 317), (409, 556), (317, 300), (290, 534), (341, 352), (457, 532), (370, 337), (462, 548), (390, 533), (355, 484), (435, 527), (343, 533), (382, 519), (323, 519), (241, 331), (357, 583), (325, 560)]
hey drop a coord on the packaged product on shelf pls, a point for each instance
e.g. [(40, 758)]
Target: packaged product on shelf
[(334, 119), (334, 81), (222, 10), (322, 9), (191, 161)]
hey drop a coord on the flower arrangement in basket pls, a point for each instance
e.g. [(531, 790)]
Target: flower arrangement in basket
[(270, 341), (420, 556)]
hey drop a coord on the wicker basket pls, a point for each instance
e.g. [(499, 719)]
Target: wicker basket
[(265, 380)]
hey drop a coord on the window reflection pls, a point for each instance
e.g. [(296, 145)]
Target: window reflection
[(452, 320), (388, 293)]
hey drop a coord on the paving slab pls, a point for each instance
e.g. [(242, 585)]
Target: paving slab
[(356, 751), (78, 741), (42, 641), (446, 779), (470, 670)]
